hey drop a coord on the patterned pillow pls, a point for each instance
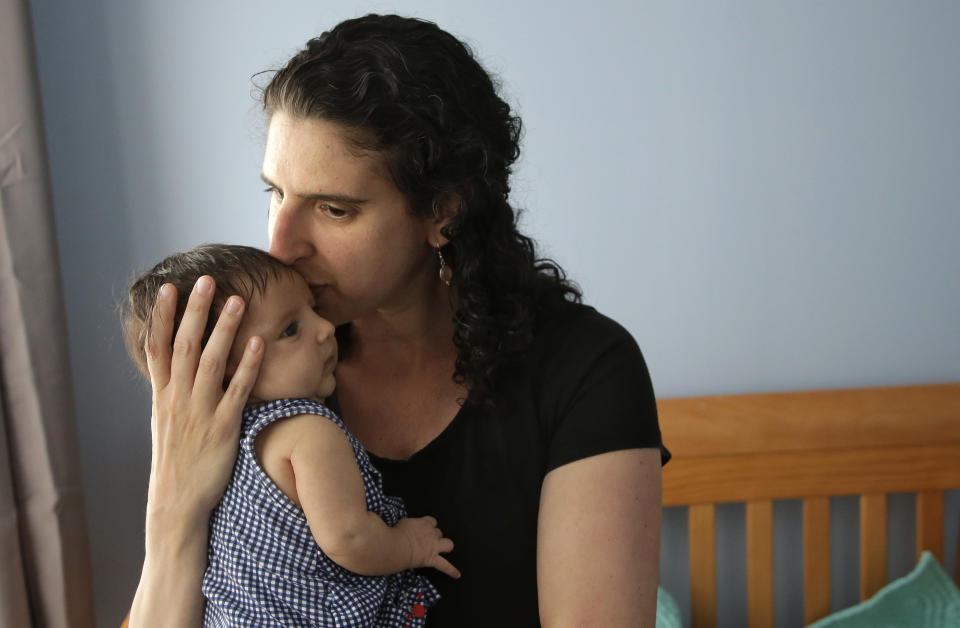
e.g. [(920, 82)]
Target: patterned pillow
[(924, 598)]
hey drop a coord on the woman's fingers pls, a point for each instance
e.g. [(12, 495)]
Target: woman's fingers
[(208, 385), (186, 344), (157, 344), (243, 379), (195, 426)]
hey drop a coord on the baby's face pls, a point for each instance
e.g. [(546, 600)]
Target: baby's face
[(300, 350)]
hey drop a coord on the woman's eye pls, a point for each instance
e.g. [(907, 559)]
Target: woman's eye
[(290, 330), (333, 212), (274, 192)]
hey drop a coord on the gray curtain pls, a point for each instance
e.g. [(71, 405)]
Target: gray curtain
[(44, 553)]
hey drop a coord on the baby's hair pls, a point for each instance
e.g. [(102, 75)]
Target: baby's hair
[(236, 269)]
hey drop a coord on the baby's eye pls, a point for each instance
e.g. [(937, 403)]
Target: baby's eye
[(290, 330)]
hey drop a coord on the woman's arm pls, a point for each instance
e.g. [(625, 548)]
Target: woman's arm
[(331, 493), (169, 590), (195, 427), (598, 541)]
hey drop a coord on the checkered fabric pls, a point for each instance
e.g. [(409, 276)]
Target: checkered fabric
[(264, 567)]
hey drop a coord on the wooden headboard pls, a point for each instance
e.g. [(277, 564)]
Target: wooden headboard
[(810, 446)]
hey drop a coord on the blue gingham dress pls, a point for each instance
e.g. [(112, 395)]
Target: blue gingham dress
[(264, 567)]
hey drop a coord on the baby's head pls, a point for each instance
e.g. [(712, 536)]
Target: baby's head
[(299, 345)]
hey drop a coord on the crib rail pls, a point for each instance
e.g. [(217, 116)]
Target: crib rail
[(809, 446)]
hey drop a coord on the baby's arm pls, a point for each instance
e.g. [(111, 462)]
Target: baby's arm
[(329, 489)]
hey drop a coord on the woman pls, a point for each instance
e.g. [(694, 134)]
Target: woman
[(486, 395)]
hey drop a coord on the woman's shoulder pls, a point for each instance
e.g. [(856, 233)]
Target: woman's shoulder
[(571, 342), (592, 384), (577, 327)]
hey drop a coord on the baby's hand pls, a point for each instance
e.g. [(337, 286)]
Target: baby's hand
[(427, 543)]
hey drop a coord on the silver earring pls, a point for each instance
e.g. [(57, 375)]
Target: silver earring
[(446, 273)]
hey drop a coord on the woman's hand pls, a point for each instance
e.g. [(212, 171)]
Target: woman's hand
[(427, 543), (195, 426)]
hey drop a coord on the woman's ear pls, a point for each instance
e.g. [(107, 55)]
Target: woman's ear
[(446, 205)]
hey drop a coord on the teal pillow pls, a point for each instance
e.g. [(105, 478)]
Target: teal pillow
[(668, 613), (924, 598)]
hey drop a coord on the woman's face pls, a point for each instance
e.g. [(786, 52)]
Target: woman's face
[(338, 218)]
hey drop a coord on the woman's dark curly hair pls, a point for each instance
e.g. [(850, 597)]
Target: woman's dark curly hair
[(433, 112)]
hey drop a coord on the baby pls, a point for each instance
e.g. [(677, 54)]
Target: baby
[(303, 534)]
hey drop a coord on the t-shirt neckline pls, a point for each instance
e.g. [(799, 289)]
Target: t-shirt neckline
[(427, 450)]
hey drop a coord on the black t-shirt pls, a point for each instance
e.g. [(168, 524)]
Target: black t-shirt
[(581, 389)]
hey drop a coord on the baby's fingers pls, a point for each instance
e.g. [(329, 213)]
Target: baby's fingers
[(157, 343), (443, 565)]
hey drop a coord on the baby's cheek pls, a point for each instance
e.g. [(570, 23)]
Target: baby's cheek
[(280, 379), (266, 383)]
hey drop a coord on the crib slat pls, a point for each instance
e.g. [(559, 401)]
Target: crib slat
[(760, 564), (873, 544), (930, 523), (703, 565), (816, 558)]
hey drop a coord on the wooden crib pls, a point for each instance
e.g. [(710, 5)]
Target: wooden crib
[(811, 446)]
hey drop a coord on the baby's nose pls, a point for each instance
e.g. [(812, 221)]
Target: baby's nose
[(325, 331)]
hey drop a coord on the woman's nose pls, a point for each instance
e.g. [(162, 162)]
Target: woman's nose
[(288, 238)]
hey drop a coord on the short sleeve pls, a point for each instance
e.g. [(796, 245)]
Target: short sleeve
[(603, 397)]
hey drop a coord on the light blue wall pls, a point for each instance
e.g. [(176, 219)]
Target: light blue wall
[(766, 194)]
